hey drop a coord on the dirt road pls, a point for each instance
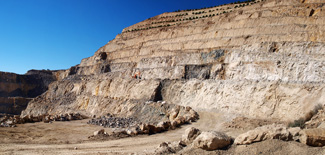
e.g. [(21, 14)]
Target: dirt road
[(72, 138), (64, 137)]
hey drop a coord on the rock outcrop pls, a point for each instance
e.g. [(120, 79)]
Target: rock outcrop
[(268, 132), (17, 90), (261, 59), (313, 137)]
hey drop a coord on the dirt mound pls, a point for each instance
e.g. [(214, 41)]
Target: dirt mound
[(265, 147), (248, 123)]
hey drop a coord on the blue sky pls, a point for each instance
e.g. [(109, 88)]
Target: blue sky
[(57, 34)]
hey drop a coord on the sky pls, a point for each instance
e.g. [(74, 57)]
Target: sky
[(58, 34)]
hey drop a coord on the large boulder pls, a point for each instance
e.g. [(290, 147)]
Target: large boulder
[(190, 134), (295, 133), (164, 125), (212, 140), (313, 137), (144, 128), (274, 131)]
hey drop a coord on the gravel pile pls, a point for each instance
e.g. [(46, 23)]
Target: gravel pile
[(110, 121)]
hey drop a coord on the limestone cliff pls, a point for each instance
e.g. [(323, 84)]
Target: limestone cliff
[(259, 59), (17, 90)]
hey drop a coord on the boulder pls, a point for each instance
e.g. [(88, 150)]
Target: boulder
[(177, 145), (10, 122), (132, 131), (313, 137), (99, 132), (70, 117), (173, 125), (35, 119), (173, 114), (180, 120), (163, 148), (189, 118), (46, 119), (194, 114), (274, 131), (144, 128), (212, 140), (281, 133), (153, 129), (190, 134), (169, 147), (295, 133), (164, 125), (119, 131)]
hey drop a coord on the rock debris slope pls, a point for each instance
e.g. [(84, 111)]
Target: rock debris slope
[(260, 59)]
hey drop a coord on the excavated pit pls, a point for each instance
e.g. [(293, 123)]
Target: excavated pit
[(257, 62)]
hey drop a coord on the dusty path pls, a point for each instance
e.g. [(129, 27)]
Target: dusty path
[(63, 137)]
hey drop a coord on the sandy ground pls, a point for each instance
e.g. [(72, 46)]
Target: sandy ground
[(72, 138)]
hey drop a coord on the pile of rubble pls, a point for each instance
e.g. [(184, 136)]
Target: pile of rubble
[(131, 127), (212, 140), (312, 137), (12, 120), (195, 138), (110, 121)]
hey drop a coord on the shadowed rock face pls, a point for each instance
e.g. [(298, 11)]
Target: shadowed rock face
[(263, 60), (17, 90)]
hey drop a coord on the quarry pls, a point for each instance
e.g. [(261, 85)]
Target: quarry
[(240, 78)]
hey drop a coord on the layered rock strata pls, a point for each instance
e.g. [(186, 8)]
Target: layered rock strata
[(263, 59), (17, 90)]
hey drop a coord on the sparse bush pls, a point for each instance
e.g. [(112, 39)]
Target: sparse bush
[(297, 123), (313, 112), (301, 121)]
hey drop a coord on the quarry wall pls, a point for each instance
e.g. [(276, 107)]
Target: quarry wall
[(263, 59)]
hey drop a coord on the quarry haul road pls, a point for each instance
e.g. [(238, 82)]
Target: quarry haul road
[(64, 137), (76, 132)]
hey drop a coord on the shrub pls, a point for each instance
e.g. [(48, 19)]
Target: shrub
[(301, 121), (297, 123)]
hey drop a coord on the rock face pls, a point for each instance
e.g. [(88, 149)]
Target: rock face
[(17, 90), (260, 59)]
